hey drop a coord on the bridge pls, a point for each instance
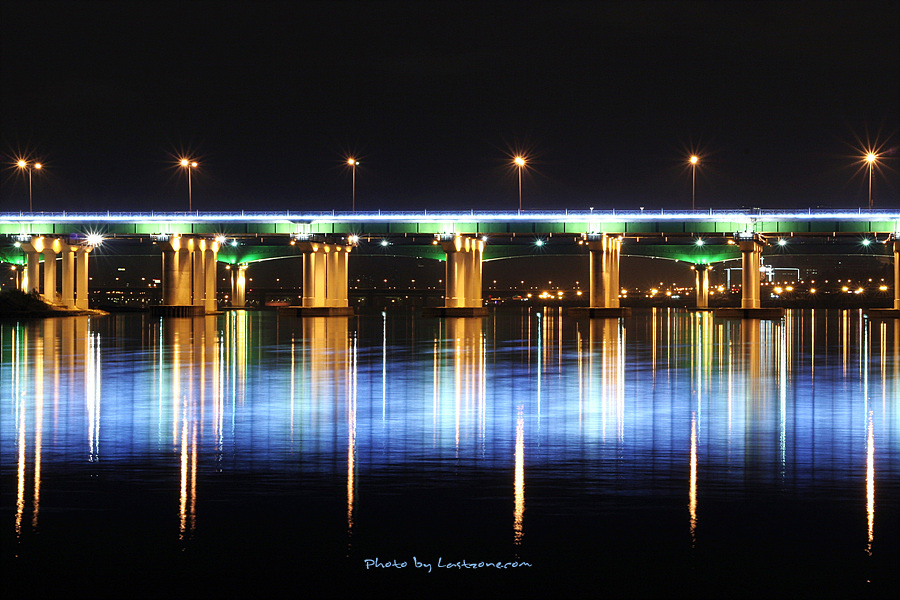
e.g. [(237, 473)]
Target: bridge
[(192, 243)]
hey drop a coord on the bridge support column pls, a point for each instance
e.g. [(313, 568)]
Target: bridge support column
[(605, 253), (325, 280), (896, 244), (751, 249), (181, 273), (68, 275), (209, 268), (701, 278), (463, 295), (238, 286), (51, 251), (81, 277), (31, 281)]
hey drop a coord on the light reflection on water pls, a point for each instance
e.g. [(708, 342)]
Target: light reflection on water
[(663, 405)]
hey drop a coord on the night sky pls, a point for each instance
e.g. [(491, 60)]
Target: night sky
[(606, 100)]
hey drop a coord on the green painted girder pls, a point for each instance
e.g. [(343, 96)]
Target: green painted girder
[(395, 228)]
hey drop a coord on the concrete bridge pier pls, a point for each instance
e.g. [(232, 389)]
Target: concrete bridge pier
[(239, 286), (74, 271), (701, 278), (605, 254), (81, 277), (463, 296), (184, 276), (891, 313), (896, 247), (751, 246), (325, 280)]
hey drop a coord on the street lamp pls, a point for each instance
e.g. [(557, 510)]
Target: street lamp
[(519, 161), (35, 167), (189, 165), (694, 160), (353, 164), (871, 157)]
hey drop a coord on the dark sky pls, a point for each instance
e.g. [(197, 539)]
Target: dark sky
[(608, 100)]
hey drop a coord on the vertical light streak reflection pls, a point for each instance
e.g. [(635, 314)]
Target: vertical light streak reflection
[(579, 348), (692, 494), (92, 387), (182, 506), (653, 327), (46, 356), (383, 365), (351, 439), (870, 482), (540, 356), (293, 363), (436, 387), (782, 392), (219, 399), (20, 425), (845, 338), (519, 483)]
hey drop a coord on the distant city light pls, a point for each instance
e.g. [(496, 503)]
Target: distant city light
[(94, 239)]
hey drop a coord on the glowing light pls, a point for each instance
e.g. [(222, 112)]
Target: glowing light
[(520, 162), (871, 157), (385, 243), (94, 239), (694, 160), (866, 241), (699, 242), (352, 162), (353, 239), (812, 290), (539, 243), (221, 239), (189, 165), (782, 242), (21, 164), (38, 165)]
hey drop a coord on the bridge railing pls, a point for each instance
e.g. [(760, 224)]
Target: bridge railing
[(737, 215)]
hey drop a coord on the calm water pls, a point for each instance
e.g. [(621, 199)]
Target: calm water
[(255, 456)]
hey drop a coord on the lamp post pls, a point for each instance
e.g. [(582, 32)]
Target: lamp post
[(871, 157), (519, 161), (36, 167), (353, 163), (694, 160), (189, 165)]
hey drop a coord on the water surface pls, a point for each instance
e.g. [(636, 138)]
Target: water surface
[(250, 455)]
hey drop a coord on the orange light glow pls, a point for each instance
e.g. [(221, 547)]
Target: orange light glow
[(520, 162), (694, 160), (184, 162), (871, 157), (38, 165)]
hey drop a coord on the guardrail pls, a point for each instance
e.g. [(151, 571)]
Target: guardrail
[(750, 215)]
